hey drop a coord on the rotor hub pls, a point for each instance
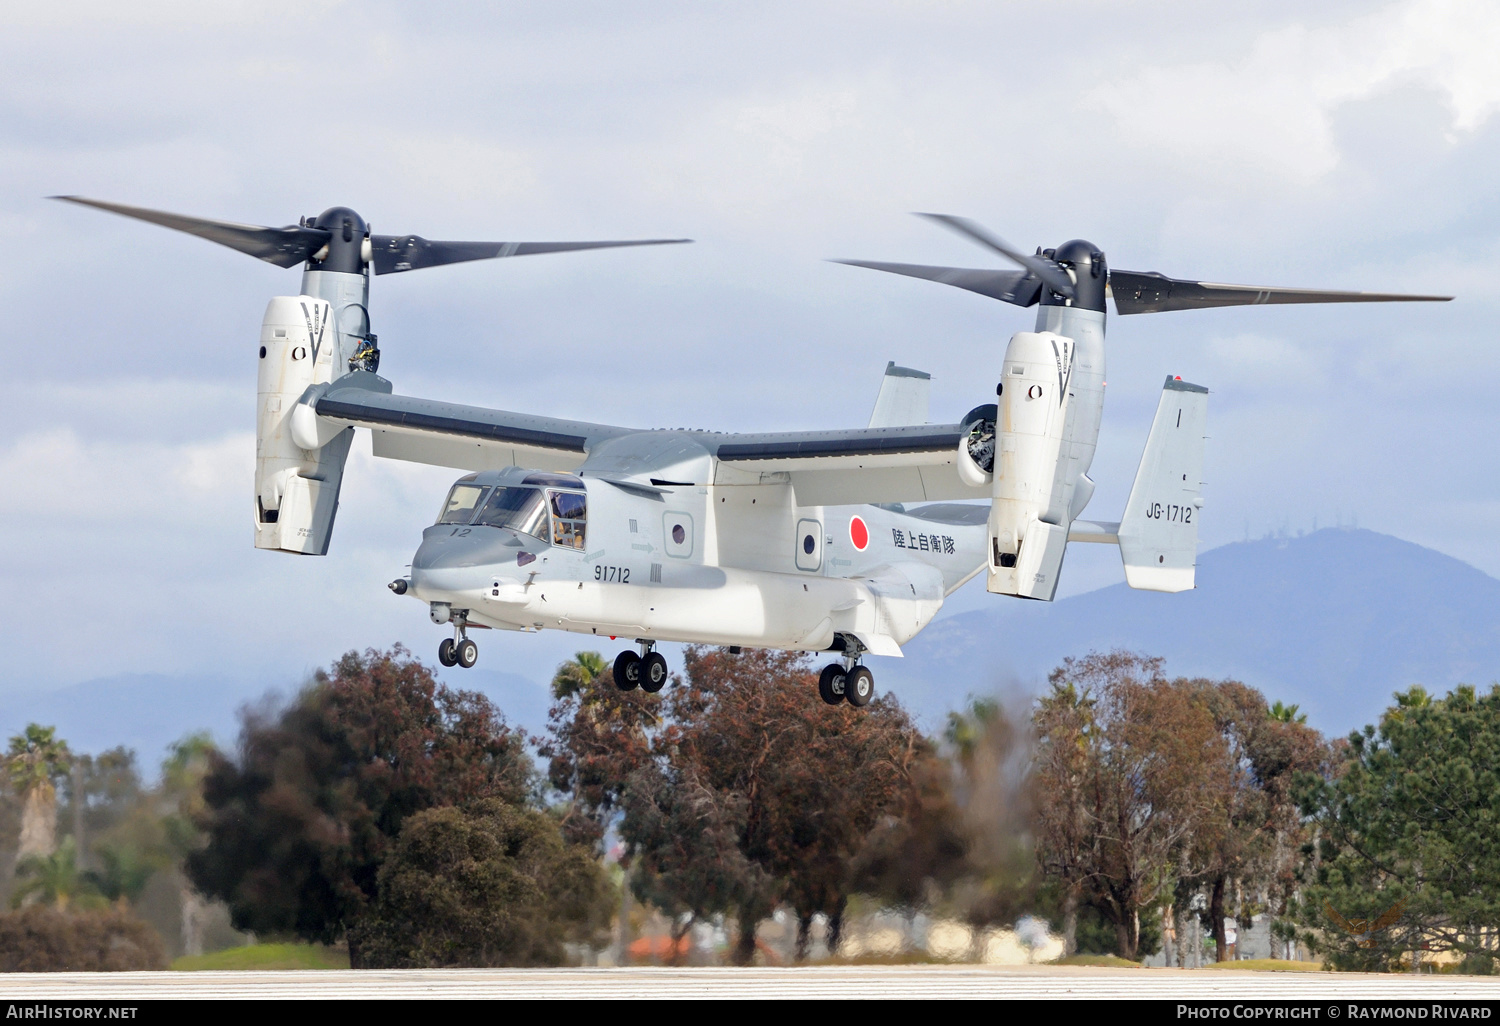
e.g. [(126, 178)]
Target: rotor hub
[(1085, 264), (345, 250)]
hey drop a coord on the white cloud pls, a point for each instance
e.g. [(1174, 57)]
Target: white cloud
[(1268, 107)]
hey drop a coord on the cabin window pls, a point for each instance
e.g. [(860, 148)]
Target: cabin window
[(462, 501), (520, 509), (569, 513)]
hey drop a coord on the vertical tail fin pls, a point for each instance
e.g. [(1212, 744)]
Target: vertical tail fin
[(1159, 533), (903, 399)]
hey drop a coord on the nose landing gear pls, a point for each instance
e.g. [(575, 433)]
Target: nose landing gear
[(647, 671), (458, 650)]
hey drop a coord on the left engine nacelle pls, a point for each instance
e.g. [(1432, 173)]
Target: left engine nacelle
[(296, 489)]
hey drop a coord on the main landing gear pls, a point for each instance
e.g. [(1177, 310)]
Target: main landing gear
[(458, 650), (847, 681), (647, 671)]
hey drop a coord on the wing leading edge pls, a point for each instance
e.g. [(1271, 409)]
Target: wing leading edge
[(463, 437), (863, 465)]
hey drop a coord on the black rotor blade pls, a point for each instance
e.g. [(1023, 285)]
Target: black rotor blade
[(392, 253), (1149, 292), (284, 247), (1018, 287), (1055, 277)]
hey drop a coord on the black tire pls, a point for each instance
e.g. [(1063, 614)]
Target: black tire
[(627, 671), (831, 684), (467, 653), (653, 672), (446, 655), (860, 687)]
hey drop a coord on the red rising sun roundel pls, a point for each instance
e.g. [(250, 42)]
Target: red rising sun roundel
[(859, 534)]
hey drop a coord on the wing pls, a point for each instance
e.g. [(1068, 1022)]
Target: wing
[(1342, 923), (465, 437), (866, 465), (1390, 915), (828, 468)]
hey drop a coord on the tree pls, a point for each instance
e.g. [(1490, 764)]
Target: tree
[(576, 675), (1406, 860), (736, 788), (686, 840), (36, 761), (181, 807), (53, 878), (298, 824), (597, 736), (994, 793), (1127, 765), (487, 884)]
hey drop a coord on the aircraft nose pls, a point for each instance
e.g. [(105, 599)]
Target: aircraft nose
[(446, 548)]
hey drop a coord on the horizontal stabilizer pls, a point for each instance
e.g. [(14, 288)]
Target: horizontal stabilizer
[(1089, 531), (1159, 533)]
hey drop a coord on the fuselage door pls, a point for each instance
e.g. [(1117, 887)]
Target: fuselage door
[(809, 545)]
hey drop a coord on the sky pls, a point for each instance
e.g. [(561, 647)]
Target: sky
[(1336, 145)]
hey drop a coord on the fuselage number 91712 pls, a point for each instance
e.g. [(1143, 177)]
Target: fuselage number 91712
[(1172, 514), (612, 573)]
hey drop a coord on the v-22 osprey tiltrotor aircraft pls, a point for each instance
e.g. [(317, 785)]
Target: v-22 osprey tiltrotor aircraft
[(842, 541)]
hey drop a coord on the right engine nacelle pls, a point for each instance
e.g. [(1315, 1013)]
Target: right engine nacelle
[(296, 489), (1028, 525)]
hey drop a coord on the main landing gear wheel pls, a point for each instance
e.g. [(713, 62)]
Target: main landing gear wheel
[(832, 683), (446, 655), (467, 653), (859, 687), (653, 671), (627, 671)]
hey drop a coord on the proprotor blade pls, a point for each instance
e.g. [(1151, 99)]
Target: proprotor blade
[(392, 253), (284, 247), (1054, 276), (1148, 292), (1018, 287)]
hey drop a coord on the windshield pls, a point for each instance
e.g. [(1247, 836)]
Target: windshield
[(520, 509), (461, 504)]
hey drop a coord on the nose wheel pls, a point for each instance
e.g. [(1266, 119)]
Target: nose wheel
[(459, 650)]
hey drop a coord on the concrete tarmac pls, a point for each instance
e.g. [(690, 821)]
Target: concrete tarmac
[(837, 982)]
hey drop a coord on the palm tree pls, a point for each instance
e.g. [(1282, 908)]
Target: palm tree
[(37, 758), (53, 877), (578, 673), (1286, 713), (182, 799)]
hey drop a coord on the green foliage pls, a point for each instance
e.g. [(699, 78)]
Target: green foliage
[(1408, 824), (577, 674), (265, 957), (53, 879), (489, 884), (36, 758), (124, 870), (40, 939), (297, 825), (1286, 713)]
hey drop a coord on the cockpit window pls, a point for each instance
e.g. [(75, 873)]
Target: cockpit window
[(521, 509), (569, 513), (461, 504)]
